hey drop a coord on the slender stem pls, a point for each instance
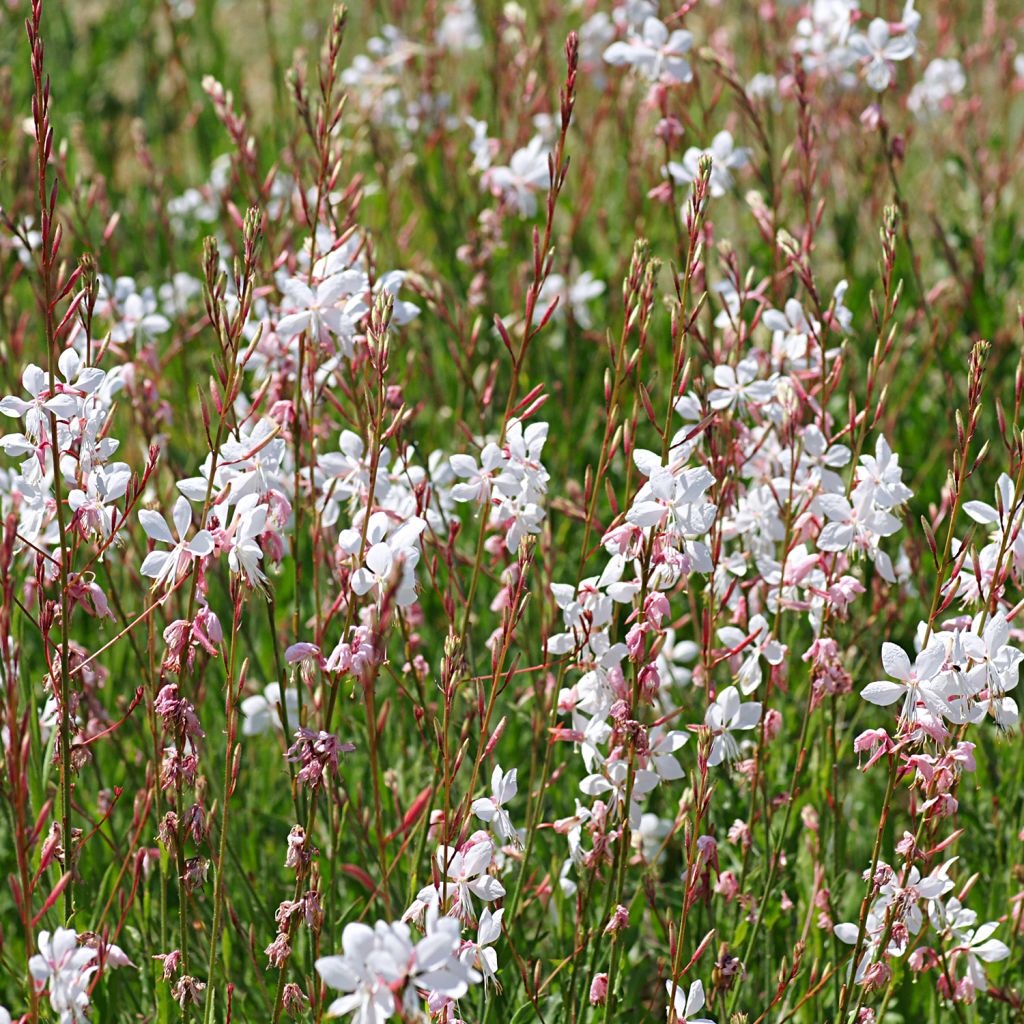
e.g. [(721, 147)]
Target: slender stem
[(218, 885)]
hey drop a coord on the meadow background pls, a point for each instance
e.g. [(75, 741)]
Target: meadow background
[(171, 121)]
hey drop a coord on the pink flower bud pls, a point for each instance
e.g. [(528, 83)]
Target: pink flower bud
[(618, 920), (871, 118), (727, 886)]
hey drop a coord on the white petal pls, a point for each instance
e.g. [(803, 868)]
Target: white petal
[(895, 661), (883, 692), (155, 526), (182, 515)]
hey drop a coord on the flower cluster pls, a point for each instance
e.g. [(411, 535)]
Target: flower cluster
[(532, 510)]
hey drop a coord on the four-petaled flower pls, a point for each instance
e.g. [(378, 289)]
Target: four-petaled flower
[(686, 1003), (654, 52), (726, 716), (167, 567)]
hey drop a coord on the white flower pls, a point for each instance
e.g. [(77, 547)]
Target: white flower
[(368, 996), (998, 514), (819, 460), (650, 837), (525, 176), (480, 954), (881, 473), (726, 157), (737, 386), (519, 521), (764, 87), (874, 929), (525, 476), (794, 335), (261, 711), (167, 567), (466, 874), (878, 50), (596, 34), (177, 294), (251, 461), (654, 52), (726, 716), (957, 924), (919, 684), (74, 383), (576, 296), (614, 778), (137, 316), (345, 474), (762, 646), (662, 746), (331, 308), (902, 899), (942, 79), (483, 147), (852, 524), (479, 478), (93, 507), (978, 945), (521, 483), (32, 238), (383, 973), (492, 808), (671, 497), (729, 315), (459, 29), (247, 463), (684, 1006), (673, 655), (64, 967), (996, 667), (996, 663), (389, 552), (402, 311), (821, 36), (244, 553), (672, 502)]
